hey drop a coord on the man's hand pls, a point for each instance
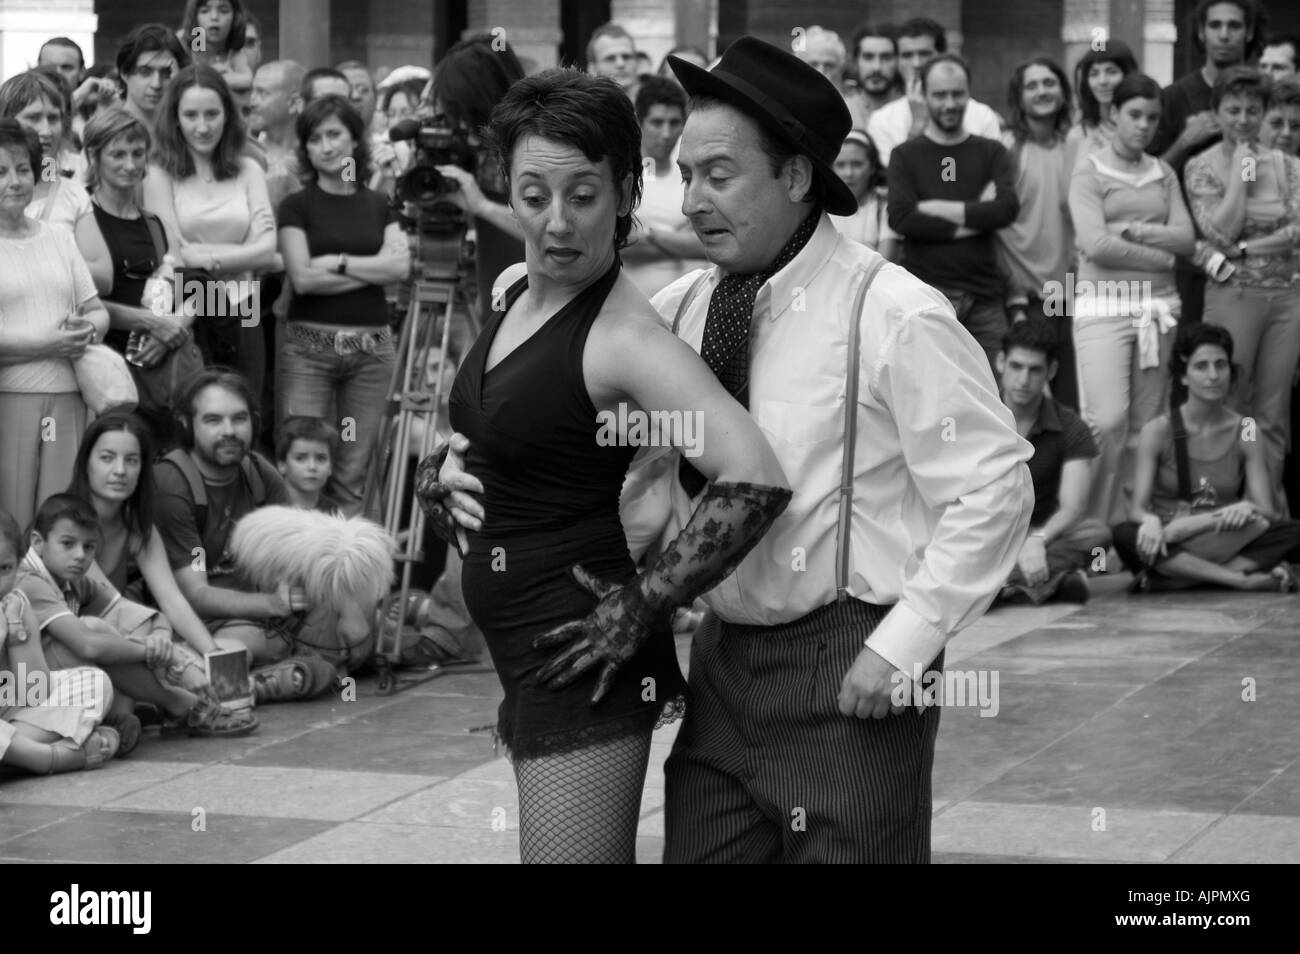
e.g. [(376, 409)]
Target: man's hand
[(468, 196), (868, 687), (1032, 561), (449, 490), (1151, 539), (920, 111), (1200, 127)]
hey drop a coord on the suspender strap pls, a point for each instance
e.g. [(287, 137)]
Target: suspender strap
[(690, 294), (842, 533)]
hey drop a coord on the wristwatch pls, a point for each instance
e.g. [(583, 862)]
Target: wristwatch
[(342, 266), (1241, 247)]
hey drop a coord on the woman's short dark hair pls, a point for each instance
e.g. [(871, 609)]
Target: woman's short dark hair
[(590, 113), (1241, 81), (137, 512), (1190, 337), (1116, 52), (315, 113), (1135, 86), (15, 137), (238, 22), (173, 152), (777, 152), (19, 92), (472, 78), (150, 38)]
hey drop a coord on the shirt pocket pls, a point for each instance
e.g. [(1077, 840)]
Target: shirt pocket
[(800, 425)]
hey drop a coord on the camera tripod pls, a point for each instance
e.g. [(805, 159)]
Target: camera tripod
[(434, 301)]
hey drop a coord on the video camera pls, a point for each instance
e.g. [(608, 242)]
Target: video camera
[(437, 143)]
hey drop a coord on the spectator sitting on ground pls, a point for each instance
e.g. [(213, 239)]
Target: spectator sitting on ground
[(664, 247), (203, 489), (1281, 127), (1062, 539), (50, 314), (893, 124), (69, 594), (38, 102), (214, 31), (147, 60), (62, 732), (858, 164), (1208, 520), (304, 454)]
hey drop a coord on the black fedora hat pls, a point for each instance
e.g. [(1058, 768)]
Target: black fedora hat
[(797, 104)]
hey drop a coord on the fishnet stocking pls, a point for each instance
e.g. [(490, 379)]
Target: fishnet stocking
[(582, 807)]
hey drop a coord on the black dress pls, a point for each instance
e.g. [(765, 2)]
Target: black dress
[(550, 492)]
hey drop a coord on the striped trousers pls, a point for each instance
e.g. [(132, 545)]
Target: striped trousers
[(766, 769)]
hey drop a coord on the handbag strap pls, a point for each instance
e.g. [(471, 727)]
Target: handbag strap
[(1180, 453), (851, 432), (156, 233), (48, 210)]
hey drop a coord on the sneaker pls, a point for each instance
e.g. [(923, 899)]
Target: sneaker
[(210, 721), (1073, 588)]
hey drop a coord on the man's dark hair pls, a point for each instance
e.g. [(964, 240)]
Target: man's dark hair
[(150, 38), (67, 43), (922, 26), (472, 77), (1032, 334), (64, 507), (1241, 81), (870, 30), (778, 153), (1016, 100), (934, 61), (301, 427), (589, 113), (216, 376), (657, 91), (1253, 13), (320, 72)]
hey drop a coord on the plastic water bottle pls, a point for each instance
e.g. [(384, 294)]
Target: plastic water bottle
[(158, 297), (134, 345)]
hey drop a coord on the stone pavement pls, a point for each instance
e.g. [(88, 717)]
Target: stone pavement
[(1121, 735)]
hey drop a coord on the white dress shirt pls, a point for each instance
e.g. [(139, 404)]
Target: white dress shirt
[(890, 124), (941, 494)]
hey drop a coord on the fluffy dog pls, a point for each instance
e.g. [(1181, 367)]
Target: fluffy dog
[(344, 564)]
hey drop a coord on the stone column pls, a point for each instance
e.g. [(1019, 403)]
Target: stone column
[(532, 29), (305, 31), (26, 24)]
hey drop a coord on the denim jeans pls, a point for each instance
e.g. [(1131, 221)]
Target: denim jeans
[(350, 391), (984, 318)]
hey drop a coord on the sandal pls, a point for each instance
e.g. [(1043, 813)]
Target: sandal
[(100, 746), (210, 720), (128, 727), (1286, 581), (276, 683)]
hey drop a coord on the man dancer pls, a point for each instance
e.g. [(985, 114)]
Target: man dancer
[(792, 749)]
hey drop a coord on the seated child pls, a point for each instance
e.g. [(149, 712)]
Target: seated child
[(49, 721), (75, 608), (304, 456)]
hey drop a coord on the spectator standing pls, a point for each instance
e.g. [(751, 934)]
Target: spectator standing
[(664, 246), (146, 61), (1229, 33), (1037, 249), (946, 222), (858, 165), (214, 205), (1130, 221), (49, 313), (214, 31), (907, 117), (875, 58), (341, 245), (1246, 201), (361, 90), (1281, 126), (1096, 75), (1278, 61), (611, 52)]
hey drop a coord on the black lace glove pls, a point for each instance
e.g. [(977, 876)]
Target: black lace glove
[(433, 493), (729, 520)]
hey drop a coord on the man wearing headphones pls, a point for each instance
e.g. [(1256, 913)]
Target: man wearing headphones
[(202, 490)]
